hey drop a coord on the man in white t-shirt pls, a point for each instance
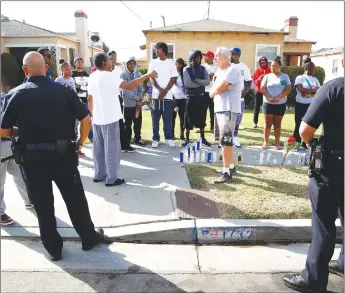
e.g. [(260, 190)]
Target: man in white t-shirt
[(246, 81), (162, 99), (226, 92), (105, 108), (211, 68)]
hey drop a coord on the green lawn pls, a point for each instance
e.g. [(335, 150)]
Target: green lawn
[(248, 136), (257, 192)]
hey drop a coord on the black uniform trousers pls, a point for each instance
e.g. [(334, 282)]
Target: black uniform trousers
[(129, 115), (258, 104), (326, 203), (181, 104), (43, 167), (300, 110)]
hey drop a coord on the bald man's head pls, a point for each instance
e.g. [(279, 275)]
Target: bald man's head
[(34, 64)]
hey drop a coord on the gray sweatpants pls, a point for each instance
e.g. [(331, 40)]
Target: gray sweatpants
[(11, 168), (106, 151)]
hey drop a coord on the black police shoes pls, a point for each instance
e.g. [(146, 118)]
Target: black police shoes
[(56, 257), (297, 283), (118, 181), (99, 238), (335, 269)]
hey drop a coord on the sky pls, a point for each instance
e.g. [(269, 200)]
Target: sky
[(121, 29)]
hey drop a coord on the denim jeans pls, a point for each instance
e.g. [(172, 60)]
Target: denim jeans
[(164, 109)]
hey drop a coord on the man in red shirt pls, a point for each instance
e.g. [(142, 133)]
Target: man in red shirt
[(257, 77)]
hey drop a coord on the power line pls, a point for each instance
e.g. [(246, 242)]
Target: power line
[(132, 11)]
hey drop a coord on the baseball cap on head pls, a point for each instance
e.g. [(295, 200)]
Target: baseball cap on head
[(77, 58), (236, 51), (209, 54)]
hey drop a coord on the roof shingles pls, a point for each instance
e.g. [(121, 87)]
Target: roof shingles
[(211, 25), (15, 28)]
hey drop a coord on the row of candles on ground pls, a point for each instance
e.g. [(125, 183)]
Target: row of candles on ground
[(196, 154)]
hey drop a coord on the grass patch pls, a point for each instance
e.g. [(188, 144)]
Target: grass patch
[(257, 192), (248, 136)]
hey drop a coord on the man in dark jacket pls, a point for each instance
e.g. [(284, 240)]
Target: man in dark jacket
[(257, 77), (195, 78), (132, 104)]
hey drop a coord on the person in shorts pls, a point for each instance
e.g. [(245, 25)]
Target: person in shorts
[(226, 92), (275, 87)]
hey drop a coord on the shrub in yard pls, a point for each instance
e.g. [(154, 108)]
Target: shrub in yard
[(293, 72), (249, 100), (10, 71)]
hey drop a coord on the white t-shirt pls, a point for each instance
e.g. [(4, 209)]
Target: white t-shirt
[(303, 80), (166, 70), (228, 100), (104, 87), (211, 68), (245, 73), (117, 72)]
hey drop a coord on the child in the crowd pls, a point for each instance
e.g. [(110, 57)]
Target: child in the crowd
[(132, 104), (66, 78)]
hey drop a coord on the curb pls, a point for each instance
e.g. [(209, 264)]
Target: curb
[(199, 231)]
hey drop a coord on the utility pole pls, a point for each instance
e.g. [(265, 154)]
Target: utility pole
[(208, 9)]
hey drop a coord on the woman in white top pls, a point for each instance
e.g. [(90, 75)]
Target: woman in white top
[(179, 96), (306, 87)]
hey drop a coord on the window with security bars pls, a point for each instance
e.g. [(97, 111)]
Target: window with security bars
[(171, 51), (335, 66), (270, 51)]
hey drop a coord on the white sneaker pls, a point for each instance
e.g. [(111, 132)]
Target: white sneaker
[(170, 143), (155, 144), (236, 142)]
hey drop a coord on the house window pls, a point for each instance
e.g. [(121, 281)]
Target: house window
[(335, 66), (71, 56), (171, 51), (270, 51)]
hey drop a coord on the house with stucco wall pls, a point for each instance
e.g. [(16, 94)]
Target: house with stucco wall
[(208, 34), (18, 38), (330, 60)]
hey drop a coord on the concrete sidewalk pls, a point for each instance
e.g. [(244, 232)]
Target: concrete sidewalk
[(152, 176), (144, 209), (153, 268)]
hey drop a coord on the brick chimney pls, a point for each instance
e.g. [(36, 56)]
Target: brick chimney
[(291, 26), (82, 36)]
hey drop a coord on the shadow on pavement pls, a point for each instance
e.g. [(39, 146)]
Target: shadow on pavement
[(107, 280)]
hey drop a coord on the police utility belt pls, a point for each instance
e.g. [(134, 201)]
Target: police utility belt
[(60, 146), (318, 157)]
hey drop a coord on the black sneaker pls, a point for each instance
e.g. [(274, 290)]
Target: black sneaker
[(233, 171), (225, 177), (205, 143), (139, 142), (185, 143), (129, 150)]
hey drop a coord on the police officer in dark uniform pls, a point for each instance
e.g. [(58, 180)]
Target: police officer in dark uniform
[(46, 113), (326, 187)]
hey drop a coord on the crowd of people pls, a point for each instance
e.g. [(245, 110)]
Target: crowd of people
[(188, 90), (48, 151)]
